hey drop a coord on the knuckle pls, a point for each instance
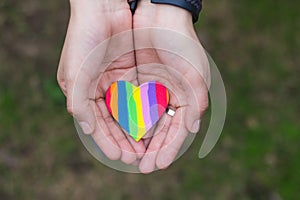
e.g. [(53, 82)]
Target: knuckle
[(73, 110), (164, 129), (108, 119), (70, 109), (176, 125), (60, 80)]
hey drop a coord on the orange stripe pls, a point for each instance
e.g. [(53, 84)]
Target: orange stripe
[(114, 100), (167, 95)]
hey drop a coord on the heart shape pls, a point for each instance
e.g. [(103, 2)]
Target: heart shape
[(137, 109)]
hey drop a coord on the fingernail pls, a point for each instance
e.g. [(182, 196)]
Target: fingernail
[(196, 126), (86, 128)]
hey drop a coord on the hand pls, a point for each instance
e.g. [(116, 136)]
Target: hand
[(84, 82), (170, 39)]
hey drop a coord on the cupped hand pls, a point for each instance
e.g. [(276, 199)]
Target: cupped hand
[(168, 50), (89, 64), (93, 34)]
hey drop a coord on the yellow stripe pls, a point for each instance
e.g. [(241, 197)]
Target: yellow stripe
[(139, 109), (114, 100)]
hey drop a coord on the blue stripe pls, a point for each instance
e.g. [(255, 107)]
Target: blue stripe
[(153, 102), (122, 105)]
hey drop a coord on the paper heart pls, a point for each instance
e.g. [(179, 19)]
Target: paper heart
[(137, 109)]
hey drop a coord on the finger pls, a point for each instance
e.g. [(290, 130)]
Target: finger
[(147, 142), (104, 139), (139, 147), (147, 164), (150, 132), (174, 140), (148, 136), (128, 155), (136, 163)]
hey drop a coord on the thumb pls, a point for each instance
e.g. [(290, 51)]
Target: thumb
[(80, 105), (195, 109)]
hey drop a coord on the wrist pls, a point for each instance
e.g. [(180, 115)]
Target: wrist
[(113, 5), (192, 6), (170, 13), (103, 6), (164, 15)]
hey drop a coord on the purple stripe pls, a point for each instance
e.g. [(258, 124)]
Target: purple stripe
[(152, 102), (146, 107)]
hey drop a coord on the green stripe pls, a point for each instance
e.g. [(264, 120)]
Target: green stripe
[(132, 111)]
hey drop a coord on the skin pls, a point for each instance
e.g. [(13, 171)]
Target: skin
[(84, 85), (91, 23), (188, 93)]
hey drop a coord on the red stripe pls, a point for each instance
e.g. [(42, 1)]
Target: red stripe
[(161, 98), (108, 99)]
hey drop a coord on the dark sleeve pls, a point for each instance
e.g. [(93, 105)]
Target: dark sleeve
[(194, 6)]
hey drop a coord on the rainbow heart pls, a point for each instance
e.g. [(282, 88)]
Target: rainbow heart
[(137, 109)]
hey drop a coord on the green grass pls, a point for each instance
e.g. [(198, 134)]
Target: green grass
[(255, 45)]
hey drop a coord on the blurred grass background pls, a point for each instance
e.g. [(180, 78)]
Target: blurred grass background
[(255, 45)]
